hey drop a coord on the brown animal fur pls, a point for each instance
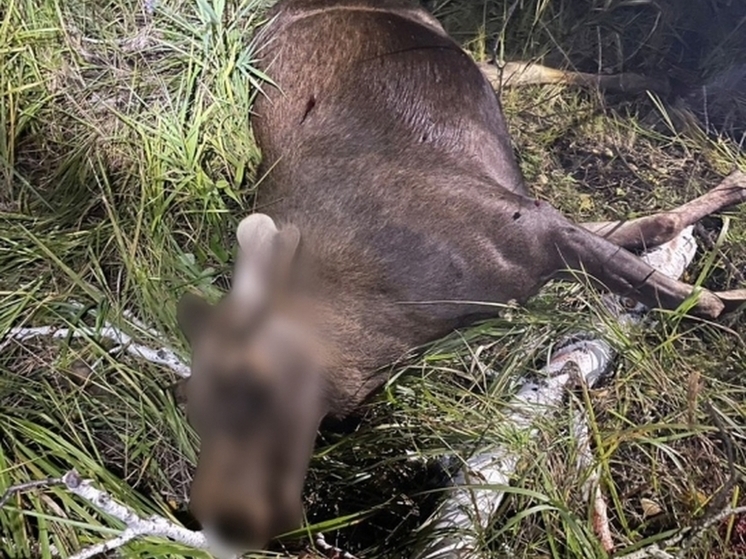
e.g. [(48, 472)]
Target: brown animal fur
[(399, 207)]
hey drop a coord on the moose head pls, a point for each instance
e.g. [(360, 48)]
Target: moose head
[(255, 394)]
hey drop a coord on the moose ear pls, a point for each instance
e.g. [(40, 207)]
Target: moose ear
[(264, 252), (288, 240), (191, 315), (256, 235)]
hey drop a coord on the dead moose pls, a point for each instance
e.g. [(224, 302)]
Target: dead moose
[(392, 207)]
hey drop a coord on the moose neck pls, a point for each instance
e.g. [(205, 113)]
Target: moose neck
[(355, 350), (360, 334)]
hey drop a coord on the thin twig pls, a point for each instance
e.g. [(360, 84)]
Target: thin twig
[(28, 486), (592, 493), (332, 552)]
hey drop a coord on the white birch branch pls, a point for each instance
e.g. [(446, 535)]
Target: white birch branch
[(454, 530), (135, 525), (162, 356)]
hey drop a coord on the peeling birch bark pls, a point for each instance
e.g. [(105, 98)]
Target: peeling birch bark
[(135, 525)]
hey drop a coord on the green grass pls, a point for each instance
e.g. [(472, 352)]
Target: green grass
[(126, 161)]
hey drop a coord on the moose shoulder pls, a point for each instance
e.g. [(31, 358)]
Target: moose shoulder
[(392, 207)]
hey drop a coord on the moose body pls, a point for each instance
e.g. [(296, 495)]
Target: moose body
[(392, 211)]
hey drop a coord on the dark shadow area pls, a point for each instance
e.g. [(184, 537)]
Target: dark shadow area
[(699, 48)]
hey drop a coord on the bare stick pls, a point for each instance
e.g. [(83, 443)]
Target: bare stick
[(517, 74)]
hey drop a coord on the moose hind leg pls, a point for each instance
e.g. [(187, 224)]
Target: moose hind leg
[(653, 230), (582, 254)]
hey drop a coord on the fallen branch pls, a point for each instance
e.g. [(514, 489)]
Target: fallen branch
[(28, 486), (592, 487), (454, 530), (163, 357), (135, 525)]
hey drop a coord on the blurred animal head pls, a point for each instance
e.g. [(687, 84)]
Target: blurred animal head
[(254, 395)]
